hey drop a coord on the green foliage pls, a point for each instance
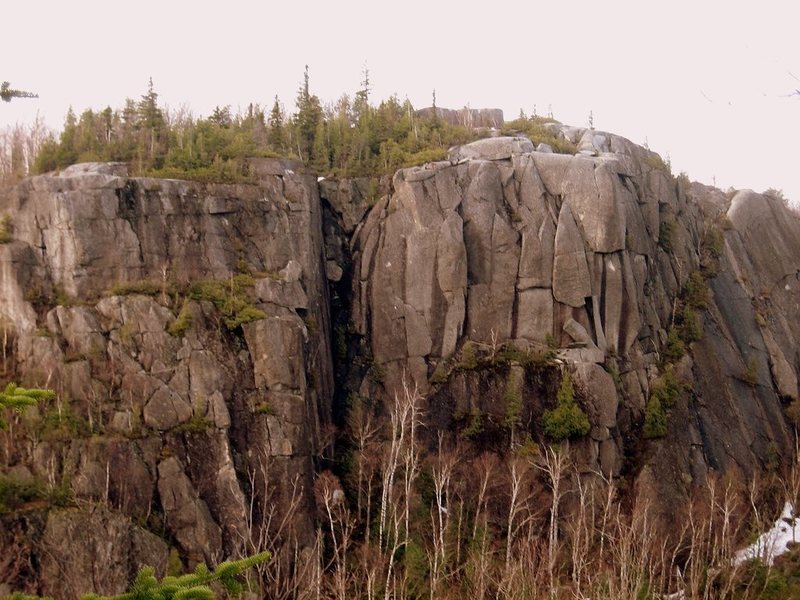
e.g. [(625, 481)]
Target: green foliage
[(695, 291), (182, 322), (7, 92), (715, 242), (440, 374), (567, 419), (18, 398), (534, 129), (654, 161), (675, 348), (60, 423), (655, 419), (233, 298), (147, 287), (197, 424), (666, 388), (468, 358), (195, 585), (690, 325), (14, 493), (666, 234), (664, 392), (5, 229), (348, 139), (475, 424)]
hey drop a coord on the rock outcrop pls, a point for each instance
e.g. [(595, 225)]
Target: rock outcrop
[(503, 244), (188, 330), (169, 413)]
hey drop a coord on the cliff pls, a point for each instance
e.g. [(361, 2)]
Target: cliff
[(205, 341), (177, 411)]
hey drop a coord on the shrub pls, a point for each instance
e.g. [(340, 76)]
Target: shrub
[(183, 321), (655, 419), (675, 348), (15, 493), (691, 325), (469, 357), (666, 388), (440, 374), (144, 287), (654, 161), (474, 424), (232, 298), (695, 291), (197, 424), (666, 234), (567, 419), (715, 242)]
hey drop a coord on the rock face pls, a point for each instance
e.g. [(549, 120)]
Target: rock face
[(200, 431), (502, 243), (188, 332)]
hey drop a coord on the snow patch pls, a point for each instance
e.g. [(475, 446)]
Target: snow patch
[(774, 542)]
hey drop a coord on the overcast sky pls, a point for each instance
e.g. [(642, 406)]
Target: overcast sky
[(707, 83)]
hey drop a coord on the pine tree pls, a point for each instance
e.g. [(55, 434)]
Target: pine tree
[(17, 398), (7, 92), (309, 113), (151, 120), (276, 136), (191, 586)]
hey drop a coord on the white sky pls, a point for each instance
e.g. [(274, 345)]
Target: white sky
[(704, 82)]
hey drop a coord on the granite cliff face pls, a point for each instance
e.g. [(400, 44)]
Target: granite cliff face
[(188, 330), (596, 252), (197, 433)]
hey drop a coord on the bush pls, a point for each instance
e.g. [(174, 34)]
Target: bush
[(666, 388), (675, 347), (232, 298), (14, 493), (655, 419), (691, 326), (183, 321), (566, 420), (695, 292), (469, 356), (666, 234), (144, 287)]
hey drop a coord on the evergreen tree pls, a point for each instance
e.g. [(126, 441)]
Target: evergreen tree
[(191, 586), (276, 136), (151, 121), (7, 92), (18, 398), (309, 114)]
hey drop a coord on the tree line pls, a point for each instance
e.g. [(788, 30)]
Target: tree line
[(348, 138)]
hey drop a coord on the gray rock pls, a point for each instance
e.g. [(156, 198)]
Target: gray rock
[(498, 148), (571, 280)]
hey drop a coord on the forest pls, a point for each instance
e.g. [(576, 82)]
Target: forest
[(351, 137)]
